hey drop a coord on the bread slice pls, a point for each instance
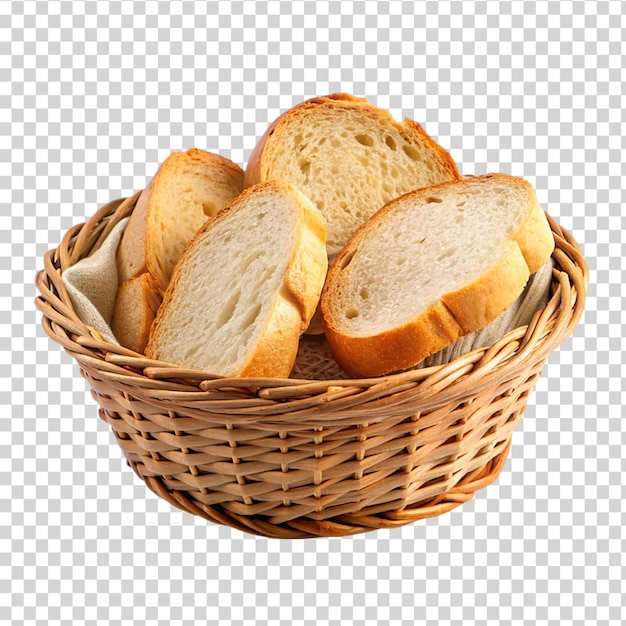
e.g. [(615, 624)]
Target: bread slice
[(429, 267), (188, 188), (136, 305), (246, 287), (349, 158)]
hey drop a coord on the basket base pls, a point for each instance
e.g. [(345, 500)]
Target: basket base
[(343, 525)]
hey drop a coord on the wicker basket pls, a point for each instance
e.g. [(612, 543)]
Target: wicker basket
[(294, 458)]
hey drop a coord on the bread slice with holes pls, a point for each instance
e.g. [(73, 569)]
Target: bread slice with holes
[(349, 158), (246, 287), (188, 188), (430, 267)]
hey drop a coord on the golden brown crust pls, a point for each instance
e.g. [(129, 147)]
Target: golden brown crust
[(306, 274), (535, 238), (396, 349), (136, 305), (276, 351), (477, 304)]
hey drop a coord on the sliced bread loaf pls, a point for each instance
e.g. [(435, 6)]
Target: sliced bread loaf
[(349, 158), (188, 188), (429, 267), (246, 287)]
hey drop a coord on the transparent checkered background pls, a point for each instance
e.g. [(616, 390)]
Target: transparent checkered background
[(94, 95)]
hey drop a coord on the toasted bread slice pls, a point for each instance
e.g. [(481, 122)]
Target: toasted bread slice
[(349, 158), (429, 267), (246, 287)]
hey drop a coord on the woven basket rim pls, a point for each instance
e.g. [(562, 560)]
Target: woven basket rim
[(548, 329)]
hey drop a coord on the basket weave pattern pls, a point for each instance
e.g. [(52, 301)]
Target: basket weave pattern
[(294, 458)]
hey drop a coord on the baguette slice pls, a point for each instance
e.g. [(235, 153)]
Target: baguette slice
[(188, 188), (246, 287), (349, 158), (136, 304), (430, 267)]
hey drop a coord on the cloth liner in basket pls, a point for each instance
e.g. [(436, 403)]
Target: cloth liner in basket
[(295, 458)]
